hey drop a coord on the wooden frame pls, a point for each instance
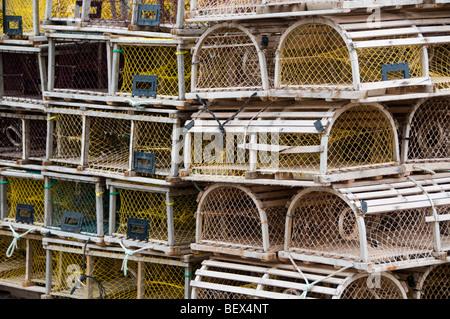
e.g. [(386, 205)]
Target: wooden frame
[(31, 30), (371, 199), (303, 119), (227, 277), (57, 247), (268, 204), (173, 238)]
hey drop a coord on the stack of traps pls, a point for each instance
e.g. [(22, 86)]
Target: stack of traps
[(87, 271)]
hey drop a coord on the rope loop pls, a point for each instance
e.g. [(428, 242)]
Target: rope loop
[(13, 245)]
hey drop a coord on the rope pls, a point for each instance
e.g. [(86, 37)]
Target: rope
[(310, 285), (99, 194), (128, 253), (13, 244)]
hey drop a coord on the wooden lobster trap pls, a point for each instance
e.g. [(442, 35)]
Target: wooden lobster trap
[(22, 260), (245, 221), (23, 137), (116, 16), (21, 19), (225, 278), (87, 271), (431, 282), (306, 141), (426, 135), (151, 217), (22, 199), (23, 75), (150, 71), (373, 226), (76, 206), (232, 61), (107, 143), (359, 59), (207, 11), (78, 66)]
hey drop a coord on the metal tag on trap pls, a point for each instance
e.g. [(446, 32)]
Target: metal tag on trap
[(138, 228), (72, 222), (25, 213)]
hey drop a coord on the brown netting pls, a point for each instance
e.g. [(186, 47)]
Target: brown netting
[(230, 215), (429, 136), (21, 75), (227, 59), (37, 138), (11, 144), (363, 288), (315, 54), (81, 65), (437, 283), (324, 223)]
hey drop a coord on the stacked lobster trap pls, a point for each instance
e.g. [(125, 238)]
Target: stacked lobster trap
[(87, 271)]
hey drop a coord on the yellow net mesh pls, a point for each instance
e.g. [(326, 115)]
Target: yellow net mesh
[(26, 191), (152, 207), (154, 60), (436, 284), (110, 13), (228, 59), (65, 9), (24, 8), (429, 132), (439, 61), (315, 54), (164, 281), (68, 130), (361, 135), (324, 223)]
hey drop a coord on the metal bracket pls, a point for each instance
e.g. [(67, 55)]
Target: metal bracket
[(318, 125), (138, 228), (144, 85), (393, 67), (72, 222), (144, 162), (148, 14), (25, 213), (189, 125), (9, 28)]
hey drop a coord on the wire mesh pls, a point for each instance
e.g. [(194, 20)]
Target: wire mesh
[(362, 135), (26, 191), (439, 65), (230, 215), (152, 207), (11, 145), (429, 136), (81, 65), (160, 61), (24, 8), (323, 223), (21, 75), (77, 197), (314, 54), (67, 138), (227, 59), (436, 283)]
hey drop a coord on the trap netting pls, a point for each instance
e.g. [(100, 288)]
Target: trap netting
[(14, 268), (81, 66), (65, 10), (233, 219), (228, 57), (18, 17), (435, 283), (225, 7), (109, 13), (109, 276), (243, 279), (147, 61), (11, 145), (429, 133), (439, 60), (321, 223), (356, 137), (21, 75), (67, 138), (74, 207), (169, 222), (25, 199), (314, 54)]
